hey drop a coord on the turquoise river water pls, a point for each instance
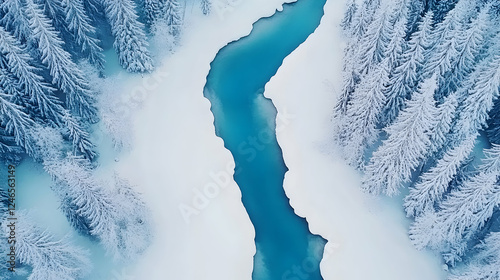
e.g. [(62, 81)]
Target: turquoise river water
[(245, 120)]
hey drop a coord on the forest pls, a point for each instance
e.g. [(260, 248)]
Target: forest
[(48, 109), (419, 116)]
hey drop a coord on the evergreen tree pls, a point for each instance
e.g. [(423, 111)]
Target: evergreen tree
[(470, 42), (78, 23), (153, 10), (433, 184), (493, 129), (398, 19), (408, 142), (349, 18), (485, 264), (464, 211), (361, 118), (14, 19), (446, 115), (50, 258), (173, 16), (32, 84), (65, 73), (16, 122), (206, 6), (133, 219), (374, 43), (404, 79), (130, 40), (484, 89)]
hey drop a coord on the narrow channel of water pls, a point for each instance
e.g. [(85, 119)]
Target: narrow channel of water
[(245, 120)]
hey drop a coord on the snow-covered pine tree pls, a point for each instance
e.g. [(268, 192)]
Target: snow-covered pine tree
[(433, 184), (130, 39), (483, 265), (442, 7), (407, 144), (415, 11), (79, 191), (471, 41), (118, 219), (133, 219), (173, 15), (16, 122), (444, 45), (405, 78), (50, 258), (65, 73), (374, 43), (79, 24), (493, 130), (370, 8), (398, 19), (32, 84), (14, 19), (206, 6), (349, 18), (113, 215), (79, 137), (153, 10), (446, 114), (359, 127), (479, 95), (464, 211)]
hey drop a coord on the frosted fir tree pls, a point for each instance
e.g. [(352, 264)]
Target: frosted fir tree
[(118, 220), (483, 265), (133, 219), (432, 185), (349, 18), (20, 64), (79, 191), (49, 257), (360, 121), (444, 50), (464, 211), (370, 8), (415, 12), (374, 43), (80, 137), (16, 122), (446, 115), (407, 144), (79, 24), (405, 78), (153, 10), (14, 19), (483, 89), (399, 19), (493, 130), (471, 41), (130, 40), (113, 215), (173, 14), (65, 73), (206, 6)]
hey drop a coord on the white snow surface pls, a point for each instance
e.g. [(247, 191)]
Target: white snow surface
[(367, 235), (175, 154)]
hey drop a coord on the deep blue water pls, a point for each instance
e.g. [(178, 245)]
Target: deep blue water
[(236, 80)]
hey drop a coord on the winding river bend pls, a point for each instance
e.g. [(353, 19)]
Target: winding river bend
[(245, 120)]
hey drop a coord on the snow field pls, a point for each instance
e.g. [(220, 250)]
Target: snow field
[(367, 235)]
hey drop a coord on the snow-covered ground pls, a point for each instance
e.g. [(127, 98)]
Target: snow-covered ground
[(181, 166), (367, 235), (177, 162)]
